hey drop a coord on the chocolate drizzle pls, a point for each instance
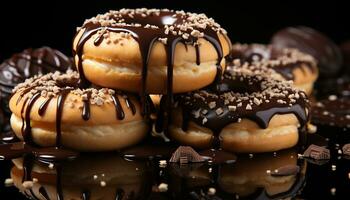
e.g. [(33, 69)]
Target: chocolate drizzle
[(43, 106), (60, 103), (282, 60), (118, 108), (86, 107), (27, 130), (146, 38)]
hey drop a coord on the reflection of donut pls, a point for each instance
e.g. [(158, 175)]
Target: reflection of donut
[(252, 112), (151, 51), (290, 63), (77, 178), (26, 64), (249, 176), (59, 113)]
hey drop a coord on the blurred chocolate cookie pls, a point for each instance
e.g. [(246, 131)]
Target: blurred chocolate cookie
[(310, 41), (26, 64)]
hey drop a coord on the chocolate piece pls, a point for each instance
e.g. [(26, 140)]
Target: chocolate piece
[(317, 152), (286, 170), (346, 149), (331, 112), (185, 154), (310, 41), (26, 64)]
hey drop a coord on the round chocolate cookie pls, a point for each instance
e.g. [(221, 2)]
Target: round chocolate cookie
[(26, 64), (310, 41)]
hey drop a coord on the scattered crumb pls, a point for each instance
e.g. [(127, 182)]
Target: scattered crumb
[(211, 191), (163, 187), (27, 184), (8, 182), (103, 183)]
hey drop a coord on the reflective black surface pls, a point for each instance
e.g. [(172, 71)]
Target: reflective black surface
[(135, 178)]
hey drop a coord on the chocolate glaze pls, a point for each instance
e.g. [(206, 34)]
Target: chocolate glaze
[(310, 41), (26, 64), (146, 38), (192, 106), (266, 53)]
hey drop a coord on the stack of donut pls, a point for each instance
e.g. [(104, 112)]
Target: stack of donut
[(122, 57)]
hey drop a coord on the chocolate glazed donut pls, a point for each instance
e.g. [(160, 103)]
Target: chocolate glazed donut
[(26, 64), (148, 27), (245, 95), (291, 63), (54, 100)]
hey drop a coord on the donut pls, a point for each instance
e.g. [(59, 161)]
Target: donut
[(52, 110), (75, 179), (26, 64), (291, 63), (322, 48), (151, 51), (251, 111)]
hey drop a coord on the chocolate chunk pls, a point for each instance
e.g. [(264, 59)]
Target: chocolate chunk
[(185, 154), (346, 149), (317, 152), (310, 41), (286, 170)]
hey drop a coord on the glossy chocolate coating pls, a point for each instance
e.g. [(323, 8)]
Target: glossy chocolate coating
[(310, 41)]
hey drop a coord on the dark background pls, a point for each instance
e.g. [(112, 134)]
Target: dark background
[(36, 23)]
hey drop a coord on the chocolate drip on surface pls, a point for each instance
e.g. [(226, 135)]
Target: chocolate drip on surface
[(118, 107), (85, 195), (86, 107), (27, 132), (43, 106), (43, 193), (119, 194), (60, 103), (130, 105)]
